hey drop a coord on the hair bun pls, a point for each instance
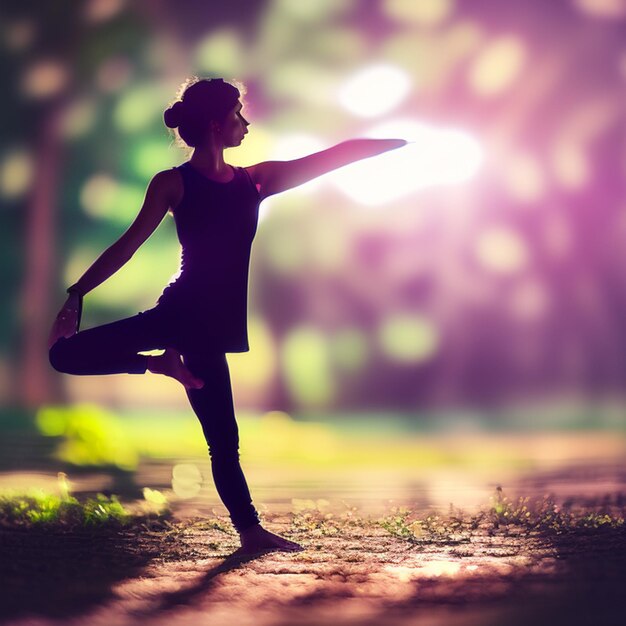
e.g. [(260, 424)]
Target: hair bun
[(173, 116)]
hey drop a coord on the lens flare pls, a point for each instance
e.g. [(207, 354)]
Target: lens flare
[(437, 156), (374, 90)]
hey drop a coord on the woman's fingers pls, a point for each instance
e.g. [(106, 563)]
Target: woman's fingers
[(54, 334), (64, 326), (68, 325)]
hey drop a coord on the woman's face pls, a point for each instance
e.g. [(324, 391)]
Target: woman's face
[(234, 127)]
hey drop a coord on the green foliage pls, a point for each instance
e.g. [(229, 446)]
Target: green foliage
[(92, 436), (37, 507)]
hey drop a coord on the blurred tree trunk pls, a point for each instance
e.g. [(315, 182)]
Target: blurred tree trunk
[(37, 382)]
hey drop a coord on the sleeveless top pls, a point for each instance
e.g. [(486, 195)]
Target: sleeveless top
[(216, 224)]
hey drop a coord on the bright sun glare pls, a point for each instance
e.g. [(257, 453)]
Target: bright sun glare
[(374, 90), (439, 156)]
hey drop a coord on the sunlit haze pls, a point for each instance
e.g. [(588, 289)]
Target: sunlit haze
[(374, 90), (437, 156)]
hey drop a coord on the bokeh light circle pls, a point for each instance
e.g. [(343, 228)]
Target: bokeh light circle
[(408, 337), (374, 90)]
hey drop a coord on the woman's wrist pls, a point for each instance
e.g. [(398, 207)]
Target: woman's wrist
[(73, 300), (76, 290)]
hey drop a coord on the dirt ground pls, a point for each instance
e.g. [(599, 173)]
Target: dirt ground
[(444, 569)]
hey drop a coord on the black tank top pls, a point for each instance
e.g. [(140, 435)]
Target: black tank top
[(216, 224)]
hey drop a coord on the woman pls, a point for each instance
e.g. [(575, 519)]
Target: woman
[(201, 316)]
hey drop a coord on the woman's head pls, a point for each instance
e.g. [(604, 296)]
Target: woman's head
[(206, 107)]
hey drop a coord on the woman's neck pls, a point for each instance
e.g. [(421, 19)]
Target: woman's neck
[(210, 160)]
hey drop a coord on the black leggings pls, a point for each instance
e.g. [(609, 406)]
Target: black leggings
[(112, 349)]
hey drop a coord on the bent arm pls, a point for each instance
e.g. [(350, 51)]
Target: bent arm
[(111, 260), (156, 203), (276, 176)]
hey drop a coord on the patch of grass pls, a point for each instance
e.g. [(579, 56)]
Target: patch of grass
[(433, 528), (215, 523), (37, 508), (547, 516), (311, 517), (540, 517)]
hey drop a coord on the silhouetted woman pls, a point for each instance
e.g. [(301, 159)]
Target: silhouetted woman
[(200, 316)]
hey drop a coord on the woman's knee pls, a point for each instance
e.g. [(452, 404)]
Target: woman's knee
[(225, 454), (223, 446), (59, 357)]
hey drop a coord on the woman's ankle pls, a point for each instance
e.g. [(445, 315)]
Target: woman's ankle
[(250, 530)]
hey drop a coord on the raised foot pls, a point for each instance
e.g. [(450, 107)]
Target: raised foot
[(171, 364), (257, 539)]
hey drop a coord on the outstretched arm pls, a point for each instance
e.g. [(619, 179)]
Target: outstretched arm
[(277, 176)]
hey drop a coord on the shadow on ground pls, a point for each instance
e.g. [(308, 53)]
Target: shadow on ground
[(364, 578), (586, 588), (62, 574)]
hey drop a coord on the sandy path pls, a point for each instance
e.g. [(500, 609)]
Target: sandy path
[(353, 571)]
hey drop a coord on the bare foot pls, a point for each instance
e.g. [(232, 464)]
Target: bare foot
[(170, 364), (257, 539)]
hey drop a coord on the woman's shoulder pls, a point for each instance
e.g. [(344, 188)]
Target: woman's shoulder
[(169, 183), (251, 171), (254, 175), (168, 179), (171, 174)]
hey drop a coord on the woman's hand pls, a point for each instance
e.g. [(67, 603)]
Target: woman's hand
[(66, 323)]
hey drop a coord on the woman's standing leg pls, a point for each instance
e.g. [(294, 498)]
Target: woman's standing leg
[(213, 404)]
